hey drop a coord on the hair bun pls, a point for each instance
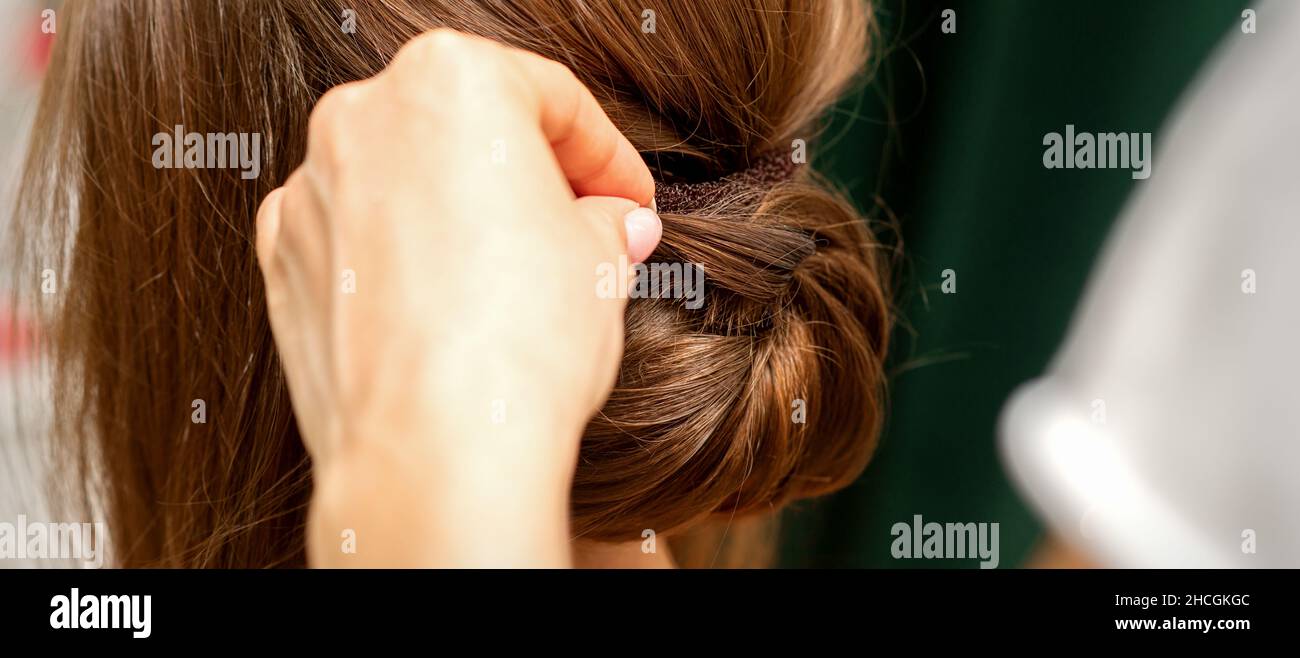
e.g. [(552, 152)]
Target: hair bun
[(771, 391)]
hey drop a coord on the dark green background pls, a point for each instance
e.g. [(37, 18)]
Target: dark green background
[(948, 137)]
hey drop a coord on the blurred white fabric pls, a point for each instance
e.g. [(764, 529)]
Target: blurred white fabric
[(1199, 447), (23, 451)]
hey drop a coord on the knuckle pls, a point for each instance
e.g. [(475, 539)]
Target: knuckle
[(445, 67), (439, 41), (269, 205), (266, 225), (334, 102), (329, 119), (437, 50), (287, 205)]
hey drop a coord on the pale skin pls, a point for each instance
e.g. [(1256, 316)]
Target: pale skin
[(429, 275)]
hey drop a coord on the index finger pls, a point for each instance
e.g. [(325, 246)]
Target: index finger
[(594, 155)]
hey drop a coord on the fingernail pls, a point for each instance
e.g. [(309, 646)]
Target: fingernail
[(644, 231)]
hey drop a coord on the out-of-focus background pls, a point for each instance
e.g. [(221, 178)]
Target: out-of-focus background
[(26, 52), (948, 137)]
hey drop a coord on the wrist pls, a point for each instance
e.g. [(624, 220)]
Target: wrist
[(405, 503)]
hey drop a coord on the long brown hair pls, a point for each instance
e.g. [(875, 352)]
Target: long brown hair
[(770, 393)]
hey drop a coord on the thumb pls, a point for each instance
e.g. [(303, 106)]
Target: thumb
[(630, 228)]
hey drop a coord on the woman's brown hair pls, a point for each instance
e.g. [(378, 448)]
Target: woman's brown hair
[(769, 393)]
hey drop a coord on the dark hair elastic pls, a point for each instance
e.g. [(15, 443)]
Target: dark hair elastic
[(681, 198)]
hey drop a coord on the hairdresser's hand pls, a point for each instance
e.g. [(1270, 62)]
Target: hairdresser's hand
[(431, 282)]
